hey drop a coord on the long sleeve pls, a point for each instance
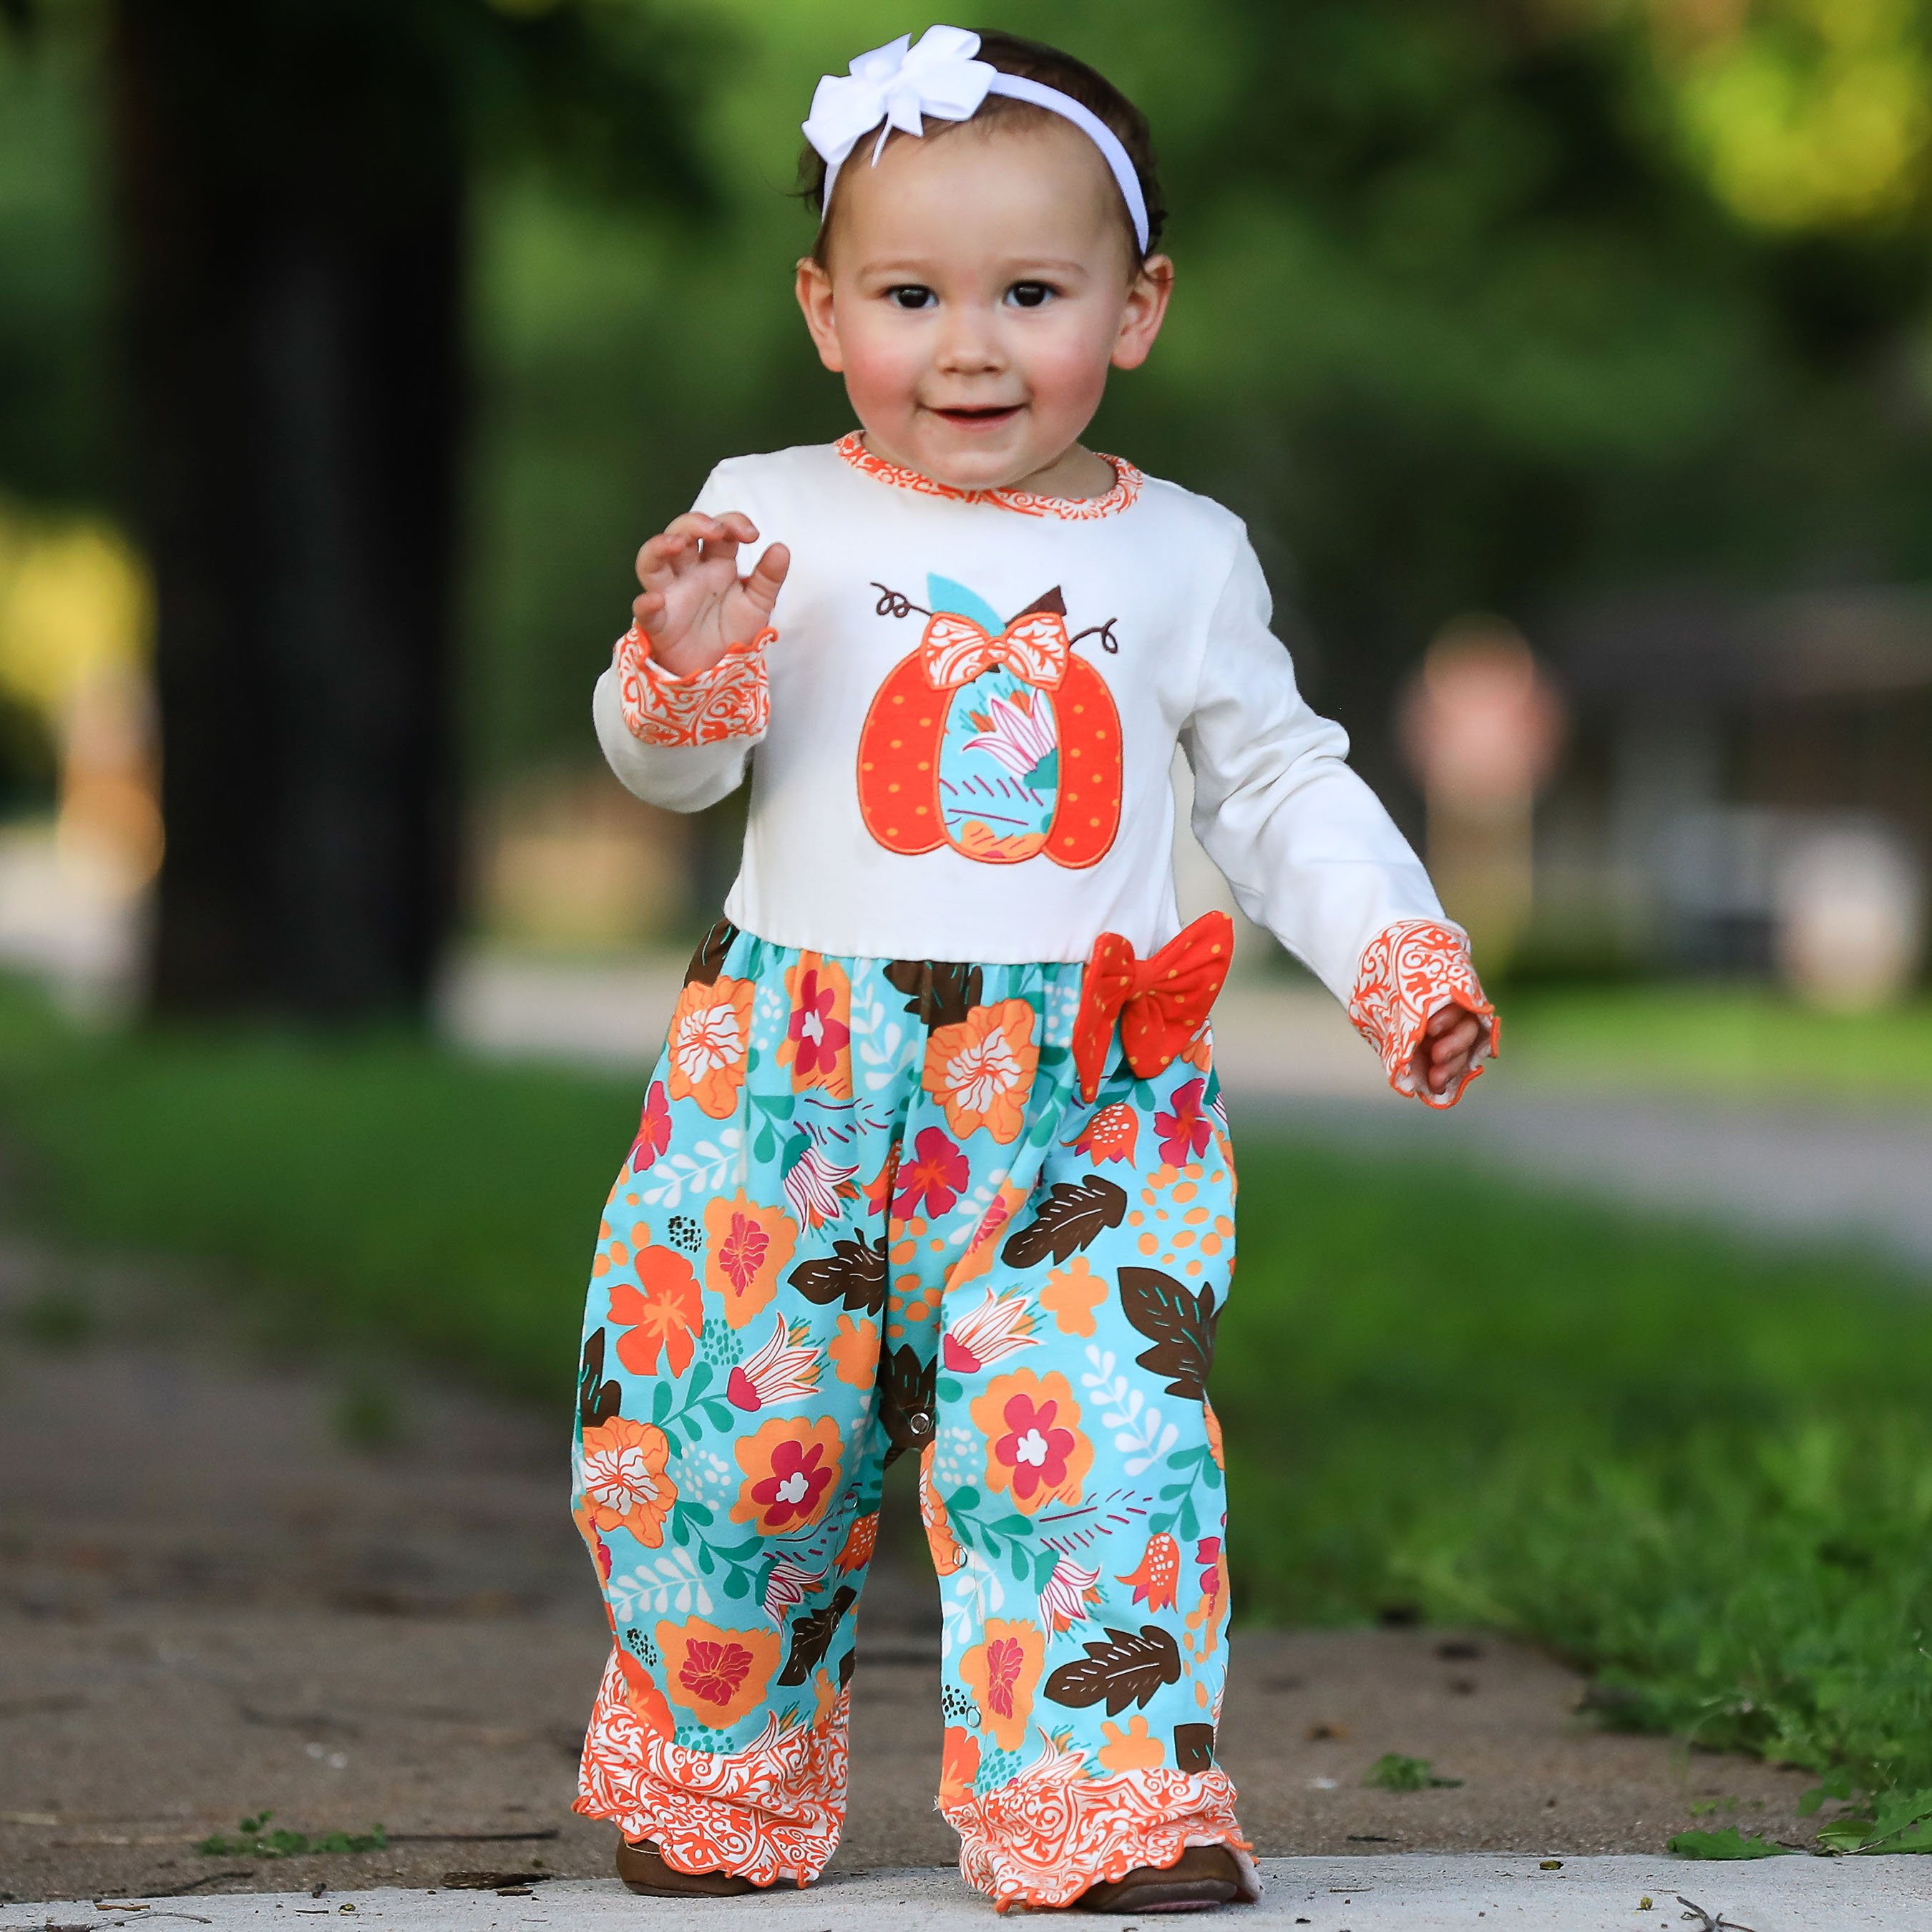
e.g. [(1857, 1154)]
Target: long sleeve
[(1308, 848), (683, 742)]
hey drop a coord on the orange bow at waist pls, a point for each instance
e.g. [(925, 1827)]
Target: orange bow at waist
[(1159, 1002)]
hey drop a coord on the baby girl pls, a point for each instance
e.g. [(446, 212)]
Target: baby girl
[(935, 1161)]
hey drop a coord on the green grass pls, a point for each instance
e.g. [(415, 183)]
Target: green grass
[(1701, 1470), (1745, 1040)]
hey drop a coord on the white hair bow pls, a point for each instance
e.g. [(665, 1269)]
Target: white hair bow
[(893, 86), (898, 85)]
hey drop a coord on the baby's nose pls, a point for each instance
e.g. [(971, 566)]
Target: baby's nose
[(969, 344)]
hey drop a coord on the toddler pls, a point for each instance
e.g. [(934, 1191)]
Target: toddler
[(935, 1162)]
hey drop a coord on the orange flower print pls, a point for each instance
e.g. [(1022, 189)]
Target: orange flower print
[(581, 1514), (1071, 1295), (854, 1348), (817, 1045), (621, 1469), (1158, 1572), (1132, 1749), (710, 1038), (947, 1555), (1199, 1052), (1001, 1671), (1215, 1448), (664, 1309), (958, 1766), (746, 1246), (861, 1540), (824, 1700), (1035, 1451), (980, 1069), (642, 1694), (1112, 1134), (718, 1674), (791, 1473)]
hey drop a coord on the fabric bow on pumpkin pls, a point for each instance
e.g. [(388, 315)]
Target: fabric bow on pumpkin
[(955, 649)]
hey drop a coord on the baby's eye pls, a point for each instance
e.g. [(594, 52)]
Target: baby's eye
[(1030, 294), (912, 295)]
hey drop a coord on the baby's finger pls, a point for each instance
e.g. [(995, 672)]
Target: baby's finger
[(1458, 1038), (663, 556), (649, 611), (676, 548), (767, 577)]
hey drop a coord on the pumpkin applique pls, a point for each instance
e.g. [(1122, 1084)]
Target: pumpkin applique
[(992, 737)]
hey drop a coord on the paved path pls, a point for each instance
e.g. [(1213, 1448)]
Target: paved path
[(212, 1600), (1774, 1171), (1413, 1894)]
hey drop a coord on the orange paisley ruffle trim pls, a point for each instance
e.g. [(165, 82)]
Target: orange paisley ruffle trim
[(770, 1812), (1044, 1837), (1127, 482), (730, 700), (1407, 975)]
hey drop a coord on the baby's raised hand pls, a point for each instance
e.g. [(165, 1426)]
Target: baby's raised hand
[(695, 605), (1447, 1046)]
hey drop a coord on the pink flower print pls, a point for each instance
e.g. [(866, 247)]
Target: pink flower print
[(1185, 1132), (653, 1129), (785, 1369), (999, 1326), (1069, 1591), (1015, 731), (817, 1187), (789, 1584), (818, 1037), (1208, 1554), (1032, 1448), (790, 1495), (937, 1174)]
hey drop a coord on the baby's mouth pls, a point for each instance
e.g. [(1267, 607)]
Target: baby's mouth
[(984, 417)]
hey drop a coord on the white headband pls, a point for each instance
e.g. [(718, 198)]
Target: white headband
[(893, 85)]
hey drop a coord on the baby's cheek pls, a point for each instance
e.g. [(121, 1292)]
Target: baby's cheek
[(883, 371)]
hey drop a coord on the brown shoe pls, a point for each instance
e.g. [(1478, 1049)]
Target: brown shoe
[(642, 1867), (1202, 1878)]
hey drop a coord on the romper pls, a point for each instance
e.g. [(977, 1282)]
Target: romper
[(935, 1162)]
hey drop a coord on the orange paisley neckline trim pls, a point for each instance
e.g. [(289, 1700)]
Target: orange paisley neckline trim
[(1127, 481)]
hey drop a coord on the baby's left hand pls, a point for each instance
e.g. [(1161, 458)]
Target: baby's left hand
[(1446, 1048)]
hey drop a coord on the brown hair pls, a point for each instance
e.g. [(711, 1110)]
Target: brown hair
[(1037, 61)]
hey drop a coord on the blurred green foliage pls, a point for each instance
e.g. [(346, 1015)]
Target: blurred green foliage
[(1487, 306), (1712, 1040), (1699, 1469)]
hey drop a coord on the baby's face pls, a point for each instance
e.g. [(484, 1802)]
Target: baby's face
[(979, 286)]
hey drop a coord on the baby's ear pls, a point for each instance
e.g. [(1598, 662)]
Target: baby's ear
[(813, 288)]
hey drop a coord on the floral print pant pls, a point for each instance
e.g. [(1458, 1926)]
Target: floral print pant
[(866, 1214)]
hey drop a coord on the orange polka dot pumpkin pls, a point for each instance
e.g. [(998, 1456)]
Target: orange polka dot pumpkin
[(993, 738)]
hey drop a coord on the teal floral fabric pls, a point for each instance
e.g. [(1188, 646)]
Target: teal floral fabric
[(866, 1215)]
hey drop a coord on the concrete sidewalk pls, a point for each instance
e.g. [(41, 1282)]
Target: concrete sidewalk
[(1415, 1892)]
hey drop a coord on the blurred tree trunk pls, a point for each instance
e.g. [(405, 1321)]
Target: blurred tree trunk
[(290, 200)]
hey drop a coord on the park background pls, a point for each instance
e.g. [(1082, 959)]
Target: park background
[(1571, 363)]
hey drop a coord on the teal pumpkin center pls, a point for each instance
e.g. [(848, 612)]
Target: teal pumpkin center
[(999, 767)]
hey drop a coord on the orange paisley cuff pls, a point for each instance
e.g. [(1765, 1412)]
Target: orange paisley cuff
[(1407, 975), (730, 700), (1053, 1830), (770, 1812)]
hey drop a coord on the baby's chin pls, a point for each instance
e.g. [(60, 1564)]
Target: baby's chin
[(998, 455)]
